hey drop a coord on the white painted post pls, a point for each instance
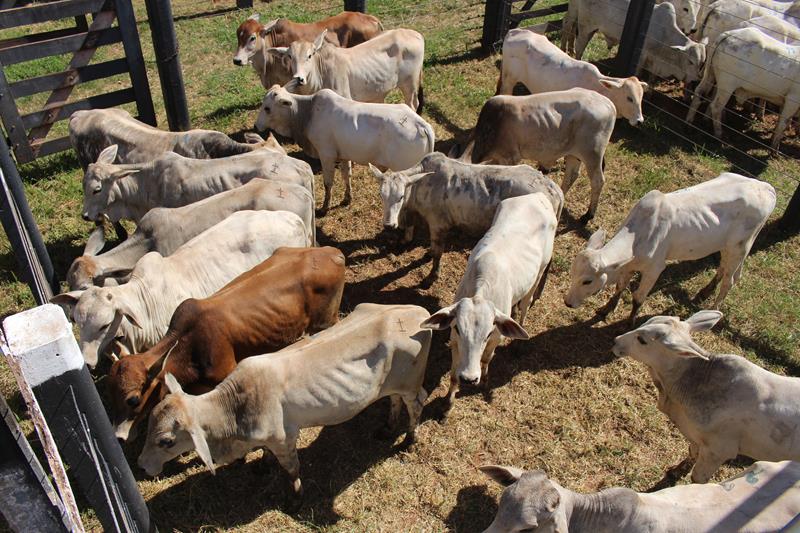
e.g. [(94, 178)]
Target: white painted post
[(40, 343)]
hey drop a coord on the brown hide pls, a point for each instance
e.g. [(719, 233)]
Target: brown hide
[(265, 309), (346, 29)]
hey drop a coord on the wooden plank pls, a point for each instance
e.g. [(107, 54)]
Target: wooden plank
[(37, 37), (82, 57), (114, 98), (58, 46), (543, 12), (42, 148), (546, 27), (136, 66), (12, 121), (43, 12), (69, 78), (8, 4)]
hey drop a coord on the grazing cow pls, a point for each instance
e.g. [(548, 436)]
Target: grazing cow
[(739, 68), (764, 497), (723, 404), (92, 131), (530, 59), (346, 29), (121, 192), (506, 273), (164, 229), (367, 72), (377, 351), (446, 193), (263, 310), (333, 128), (134, 316), (667, 51), (574, 124), (721, 215)]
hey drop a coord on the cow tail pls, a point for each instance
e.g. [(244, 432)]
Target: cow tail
[(420, 98), (499, 79), (542, 280)]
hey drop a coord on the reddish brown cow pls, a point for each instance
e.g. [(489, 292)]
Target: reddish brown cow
[(346, 29), (265, 309)]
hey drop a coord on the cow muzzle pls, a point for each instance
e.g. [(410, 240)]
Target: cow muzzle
[(299, 80), (86, 217), (237, 61)]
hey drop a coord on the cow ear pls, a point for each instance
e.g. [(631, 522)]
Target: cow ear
[(278, 51), (125, 310), (509, 327), (108, 155), (253, 138), (96, 241), (609, 83), (172, 384), (285, 101), (505, 475), (67, 301), (201, 446), (375, 172), (644, 85), (703, 320), (122, 173), (320, 40), (680, 48), (254, 16), (597, 239), (266, 28), (683, 346), (441, 319)]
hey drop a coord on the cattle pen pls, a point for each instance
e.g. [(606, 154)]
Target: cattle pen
[(560, 401)]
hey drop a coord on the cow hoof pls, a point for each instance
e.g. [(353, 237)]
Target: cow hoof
[(322, 211), (585, 219), (347, 201)]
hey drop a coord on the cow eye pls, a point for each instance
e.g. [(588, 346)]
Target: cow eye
[(133, 401), (641, 340), (166, 442), (252, 37), (686, 9), (630, 99), (587, 281), (97, 190)]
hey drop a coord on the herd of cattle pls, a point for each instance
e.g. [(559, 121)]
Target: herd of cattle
[(223, 265)]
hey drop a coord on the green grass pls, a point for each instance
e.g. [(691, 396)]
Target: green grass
[(559, 401)]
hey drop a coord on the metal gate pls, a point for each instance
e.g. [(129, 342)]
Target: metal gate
[(28, 132)]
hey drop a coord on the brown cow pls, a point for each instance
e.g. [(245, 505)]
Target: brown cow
[(265, 309), (346, 29)]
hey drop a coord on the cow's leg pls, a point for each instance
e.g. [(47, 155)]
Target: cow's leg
[(526, 303), (455, 356), (700, 92), (572, 166), (488, 355), (649, 278), (717, 107), (708, 462), (789, 110), (581, 41), (347, 169), (622, 283), (437, 248), (594, 167), (328, 174), (286, 453), (708, 290), (387, 431), (414, 404), (730, 269)]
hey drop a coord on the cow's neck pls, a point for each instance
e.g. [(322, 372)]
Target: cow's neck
[(618, 250), (216, 411), (125, 198), (331, 66), (145, 303), (600, 512), (301, 121)]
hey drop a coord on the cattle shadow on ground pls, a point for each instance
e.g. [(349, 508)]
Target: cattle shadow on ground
[(44, 169), (227, 111), (580, 344), (330, 464), (467, 55), (459, 134), (474, 510)]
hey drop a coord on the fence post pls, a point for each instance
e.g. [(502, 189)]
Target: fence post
[(22, 231), (27, 499), (41, 344), (355, 5), (495, 23), (631, 43), (790, 221), (165, 44), (241, 4)]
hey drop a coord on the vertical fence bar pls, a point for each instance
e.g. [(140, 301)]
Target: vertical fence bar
[(22, 230), (790, 220), (355, 5), (41, 344), (136, 66), (631, 43), (165, 43), (495, 23)]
